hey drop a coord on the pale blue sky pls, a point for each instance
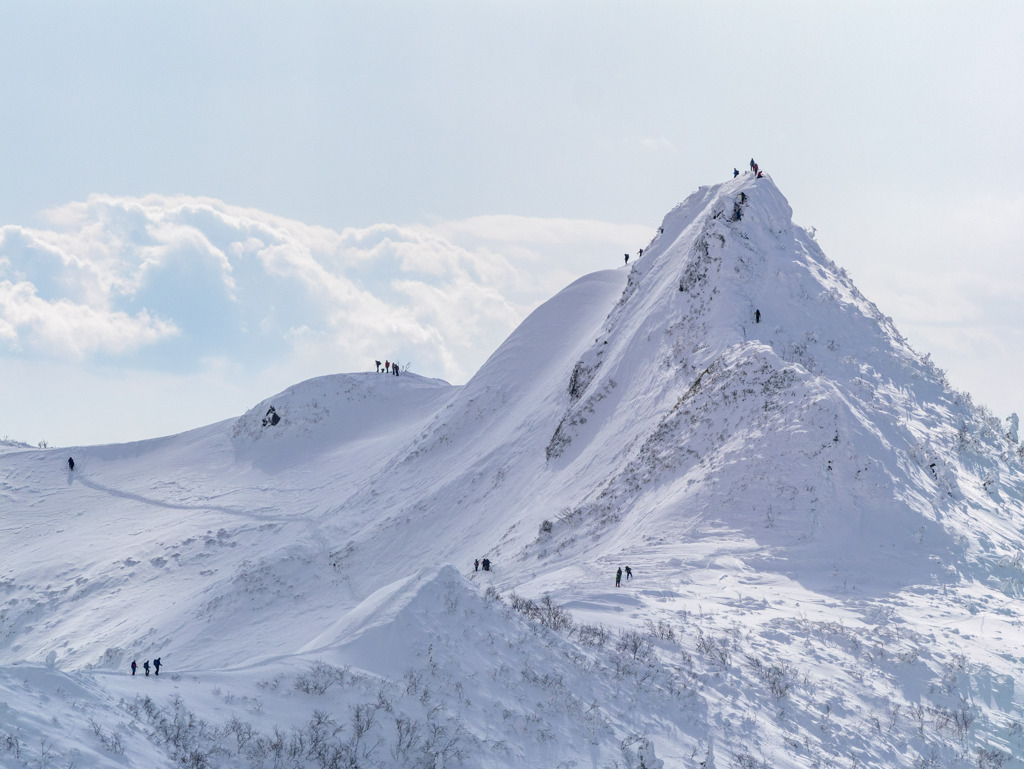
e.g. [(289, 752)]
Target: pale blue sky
[(893, 128)]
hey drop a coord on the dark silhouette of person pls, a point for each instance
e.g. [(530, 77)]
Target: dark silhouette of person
[(629, 573), (627, 258), (476, 565), (134, 666), (387, 367), (156, 665), (757, 316), (486, 563), (145, 666), (618, 577), (378, 365), (394, 369), (71, 463), (735, 172), (639, 253), (753, 165)]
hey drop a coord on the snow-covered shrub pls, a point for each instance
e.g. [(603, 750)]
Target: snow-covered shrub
[(319, 678)]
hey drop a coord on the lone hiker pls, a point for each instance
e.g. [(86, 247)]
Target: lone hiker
[(71, 463), (757, 316), (618, 577), (627, 258)]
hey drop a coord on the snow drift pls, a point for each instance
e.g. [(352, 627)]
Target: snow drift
[(826, 542)]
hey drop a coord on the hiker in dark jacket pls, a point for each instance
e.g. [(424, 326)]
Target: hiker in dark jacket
[(629, 573), (134, 666), (618, 577), (145, 666), (71, 463), (156, 665)]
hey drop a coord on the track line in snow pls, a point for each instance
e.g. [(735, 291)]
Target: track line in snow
[(177, 506)]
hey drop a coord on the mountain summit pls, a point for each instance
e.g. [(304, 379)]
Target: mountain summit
[(824, 542)]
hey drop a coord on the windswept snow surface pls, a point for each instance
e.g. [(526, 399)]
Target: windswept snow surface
[(825, 541)]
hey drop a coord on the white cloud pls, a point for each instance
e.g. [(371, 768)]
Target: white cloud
[(159, 286), (63, 327)]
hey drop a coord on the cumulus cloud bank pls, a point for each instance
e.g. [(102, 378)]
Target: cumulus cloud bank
[(187, 287)]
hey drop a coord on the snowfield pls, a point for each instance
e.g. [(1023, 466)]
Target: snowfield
[(825, 539)]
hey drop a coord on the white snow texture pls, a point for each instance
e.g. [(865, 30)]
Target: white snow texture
[(824, 540)]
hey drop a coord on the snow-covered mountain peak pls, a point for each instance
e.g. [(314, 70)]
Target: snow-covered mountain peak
[(823, 543)]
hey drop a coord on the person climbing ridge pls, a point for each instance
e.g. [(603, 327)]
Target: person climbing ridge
[(629, 573), (156, 665), (618, 577), (627, 258), (71, 463), (145, 666), (378, 365), (134, 667), (757, 316), (735, 172)]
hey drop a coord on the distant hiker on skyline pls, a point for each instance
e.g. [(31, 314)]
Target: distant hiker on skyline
[(639, 253), (71, 463), (387, 367), (735, 172), (753, 165), (156, 665), (618, 577), (145, 666), (757, 316), (760, 175), (629, 573), (378, 365), (394, 369), (134, 667), (627, 258)]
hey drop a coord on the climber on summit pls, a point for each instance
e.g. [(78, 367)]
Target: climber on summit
[(757, 316), (71, 463), (735, 172), (627, 259)]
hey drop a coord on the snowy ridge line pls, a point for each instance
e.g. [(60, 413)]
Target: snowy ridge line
[(824, 539)]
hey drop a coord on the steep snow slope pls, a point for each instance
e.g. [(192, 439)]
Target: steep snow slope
[(826, 543)]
